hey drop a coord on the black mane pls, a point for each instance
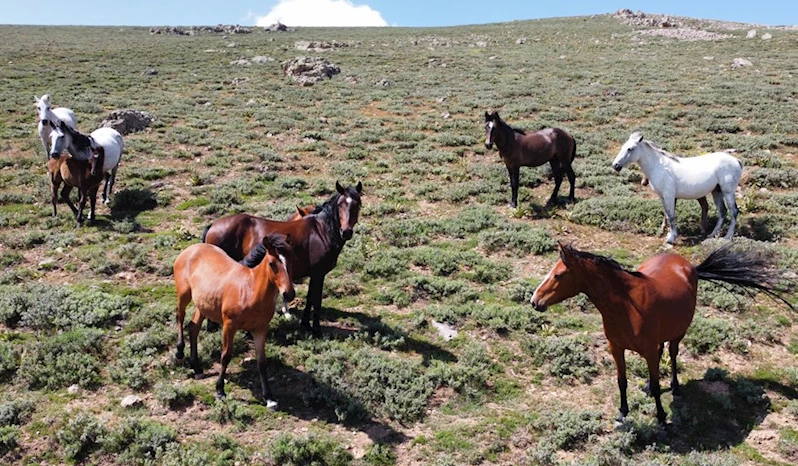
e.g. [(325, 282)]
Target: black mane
[(81, 141), (332, 219), (256, 256), (601, 260)]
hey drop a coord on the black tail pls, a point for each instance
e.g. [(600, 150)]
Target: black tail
[(205, 233), (744, 269), (573, 156)]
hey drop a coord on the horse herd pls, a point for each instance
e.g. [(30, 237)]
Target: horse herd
[(235, 274)]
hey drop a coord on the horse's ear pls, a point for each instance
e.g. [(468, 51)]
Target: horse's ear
[(566, 253), (639, 137), (359, 187), (62, 125), (35, 100), (487, 117), (267, 243), (300, 211), (339, 188), (288, 239), (495, 115)]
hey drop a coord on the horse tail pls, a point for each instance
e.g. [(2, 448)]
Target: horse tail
[(205, 232), (743, 269), (573, 153)]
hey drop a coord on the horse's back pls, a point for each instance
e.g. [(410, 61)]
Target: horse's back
[(113, 144), (553, 142), (66, 115), (673, 284)]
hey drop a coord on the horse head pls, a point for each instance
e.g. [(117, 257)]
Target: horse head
[(277, 248), (562, 281), (97, 159), (348, 208), (491, 120), (628, 153), (60, 138), (43, 107)]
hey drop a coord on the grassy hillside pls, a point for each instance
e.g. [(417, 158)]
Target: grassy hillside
[(86, 314)]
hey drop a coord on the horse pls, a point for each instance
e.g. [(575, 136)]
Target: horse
[(80, 146), (673, 177), (316, 241), (49, 115), (301, 212), (239, 297), (702, 202), (86, 175), (517, 149), (643, 309)]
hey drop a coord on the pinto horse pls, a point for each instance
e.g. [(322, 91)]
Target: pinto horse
[(85, 175), (316, 240), (234, 295), (517, 148), (643, 309), (673, 177), (48, 116)]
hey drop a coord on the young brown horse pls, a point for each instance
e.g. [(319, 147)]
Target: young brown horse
[(86, 175), (239, 297), (316, 240), (643, 309), (517, 148), (301, 212)]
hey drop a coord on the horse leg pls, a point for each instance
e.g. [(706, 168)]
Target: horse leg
[(182, 302), (647, 386), (65, 197), (717, 196), (314, 300), (56, 183), (669, 205), (82, 197), (108, 188), (702, 201), (193, 332), (673, 349), (260, 352), (228, 334), (620, 367), (556, 170), (731, 202), (92, 202), (515, 175), (653, 383), (569, 172)]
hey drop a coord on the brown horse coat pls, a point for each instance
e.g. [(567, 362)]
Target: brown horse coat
[(85, 175), (518, 148)]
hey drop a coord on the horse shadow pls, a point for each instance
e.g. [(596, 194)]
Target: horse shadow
[(126, 205), (290, 387), (719, 411), (368, 328)]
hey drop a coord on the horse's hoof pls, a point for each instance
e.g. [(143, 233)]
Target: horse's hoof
[(512, 205), (219, 396), (271, 405), (180, 355)]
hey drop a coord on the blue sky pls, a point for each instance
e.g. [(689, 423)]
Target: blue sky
[(370, 12)]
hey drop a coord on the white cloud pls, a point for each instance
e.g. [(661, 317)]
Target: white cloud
[(311, 13)]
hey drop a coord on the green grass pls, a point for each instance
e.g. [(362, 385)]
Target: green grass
[(94, 306)]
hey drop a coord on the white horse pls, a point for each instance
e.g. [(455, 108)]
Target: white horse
[(673, 177), (49, 115), (82, 147)]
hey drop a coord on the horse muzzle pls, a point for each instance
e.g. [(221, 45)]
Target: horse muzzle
[(45, 121), (289, 295), (347, 234), (617, 167), (537, 305), (489, 145)]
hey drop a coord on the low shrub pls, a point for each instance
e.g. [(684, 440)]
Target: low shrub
[(310, 449), (15, 412), (564, 357), (138, 441), (172, 395), (518, 238), (568, 429), (81, 435), (69, 358)]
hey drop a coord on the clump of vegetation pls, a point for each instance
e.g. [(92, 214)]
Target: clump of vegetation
[(82, 434), (138, 441), (518, 238), (173, 395), (564, 357), (308, 449), (69, 358)]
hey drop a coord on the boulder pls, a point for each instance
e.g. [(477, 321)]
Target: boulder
[(128, 121), (309, 70)]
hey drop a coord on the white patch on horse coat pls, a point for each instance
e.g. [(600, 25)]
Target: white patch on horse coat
[(545, 279), (348, 200)]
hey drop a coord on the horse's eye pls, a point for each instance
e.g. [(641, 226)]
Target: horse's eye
[(558, 276)]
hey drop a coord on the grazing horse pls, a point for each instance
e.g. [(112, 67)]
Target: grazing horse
[(86, 175), (673, 177), (518, 148), (48, 115), (239, 297), (81, 146), (643, 309), (316, 240)]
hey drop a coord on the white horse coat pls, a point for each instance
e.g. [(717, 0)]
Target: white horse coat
[(673, 177), (48, 115)]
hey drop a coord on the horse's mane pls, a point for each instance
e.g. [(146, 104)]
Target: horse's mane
[(81, 140), (517, 130), (330, 211), (600, 260), (662, 151), (256, 256)]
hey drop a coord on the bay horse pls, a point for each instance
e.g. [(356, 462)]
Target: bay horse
[(673, 177), (85, 175), (301, 212), (81, 146), (48, 115), (238, 297), (316, 240), (643, 309), (518, 148)]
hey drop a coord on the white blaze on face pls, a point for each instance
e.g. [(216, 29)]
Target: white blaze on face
[(348, 200), (282, 260), (545, 279)]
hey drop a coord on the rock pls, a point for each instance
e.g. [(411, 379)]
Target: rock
[(309, 70), (47, 263), (445, 115), (319, 46), (740, 62), (481, 43), (446, 331), (232, 45), (751, 34), (262, 59), (278, 27), (350, 80), (240, 62), (709, 58), (131, 401), (520, 40), (128, 121), (382, 83), (766, 37), (150, 72), (251, 102), (73, 389)]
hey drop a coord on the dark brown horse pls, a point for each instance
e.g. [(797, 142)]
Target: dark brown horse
[(316, 240), (238, 297), (85, 175), (519, 148), (643, 309)]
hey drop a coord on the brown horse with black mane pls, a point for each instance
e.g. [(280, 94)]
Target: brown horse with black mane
[(86, 175), (519, 148), (643, 309), (316, 240)]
